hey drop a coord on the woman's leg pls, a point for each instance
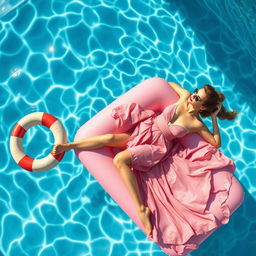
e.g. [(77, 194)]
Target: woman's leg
[(122, 161), (113, 140)]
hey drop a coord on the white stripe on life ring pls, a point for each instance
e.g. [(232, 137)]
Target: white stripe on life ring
[(17, 151)]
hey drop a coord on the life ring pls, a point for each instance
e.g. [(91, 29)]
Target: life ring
[(18, 132)]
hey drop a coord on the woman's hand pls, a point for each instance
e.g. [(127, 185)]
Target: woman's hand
[(217, 111)]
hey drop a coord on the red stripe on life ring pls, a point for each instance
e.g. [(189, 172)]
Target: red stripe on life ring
[(18, 131), (26, 163), (48, 119), (59, 156)]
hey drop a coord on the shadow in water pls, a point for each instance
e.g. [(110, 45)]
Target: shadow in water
[(223, 48)]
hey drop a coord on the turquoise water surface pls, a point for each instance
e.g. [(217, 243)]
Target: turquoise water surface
[(72, 59)]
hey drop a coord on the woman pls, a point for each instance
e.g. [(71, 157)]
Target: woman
[(146, 146)]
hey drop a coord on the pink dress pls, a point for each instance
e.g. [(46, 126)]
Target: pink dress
[(174, 182)]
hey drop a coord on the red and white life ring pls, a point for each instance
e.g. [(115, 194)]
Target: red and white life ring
[(18, 132)]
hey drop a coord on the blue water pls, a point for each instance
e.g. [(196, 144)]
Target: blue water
[(72, 59), (8, 5)]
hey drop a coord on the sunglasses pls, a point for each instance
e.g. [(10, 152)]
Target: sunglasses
[(197, 98)]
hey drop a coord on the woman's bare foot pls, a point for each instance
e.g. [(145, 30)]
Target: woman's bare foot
[(144, 215), (59, 148)]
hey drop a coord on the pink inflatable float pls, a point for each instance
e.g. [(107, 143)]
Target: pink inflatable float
[(225, 195)]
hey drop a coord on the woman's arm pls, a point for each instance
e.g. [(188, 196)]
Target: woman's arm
[(178, 89), (213, 139), (216, 132)]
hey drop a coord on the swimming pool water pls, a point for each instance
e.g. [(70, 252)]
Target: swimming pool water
[(72, 59)]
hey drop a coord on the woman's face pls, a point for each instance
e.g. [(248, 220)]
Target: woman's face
[(197, 98)]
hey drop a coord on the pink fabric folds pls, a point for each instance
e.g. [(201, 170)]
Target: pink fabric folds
[(177, 183), (130, 114)]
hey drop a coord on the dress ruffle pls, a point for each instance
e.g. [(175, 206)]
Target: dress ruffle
[(188, 194), (130, 114), (222, 196), (177, 188), (216, 161)]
